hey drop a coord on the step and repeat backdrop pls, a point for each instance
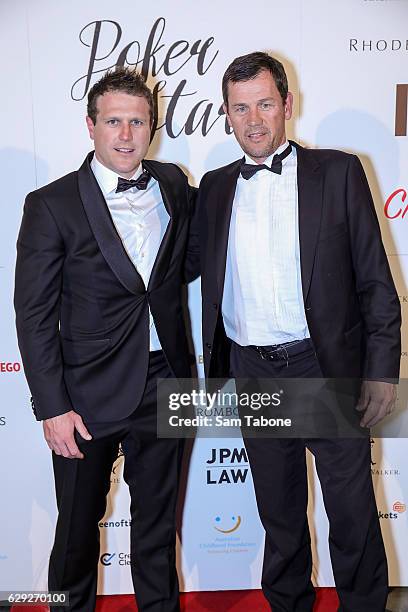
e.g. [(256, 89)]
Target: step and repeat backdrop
[(347, 67)]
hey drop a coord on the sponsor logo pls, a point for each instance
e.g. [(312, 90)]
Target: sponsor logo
[(121, 558), (110, 524), (227, 466), (2, 421), (395, 207), (235, 522), (401, 109), (106, 558), (163, 60), (399, 507), (228, 540), (377, 46), (10, 366)]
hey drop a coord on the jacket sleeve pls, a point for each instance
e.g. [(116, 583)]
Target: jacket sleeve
[(379, 303), (38, 284)]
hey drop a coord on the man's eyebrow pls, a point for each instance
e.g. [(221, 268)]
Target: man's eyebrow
[(118, 118), (268, 99)]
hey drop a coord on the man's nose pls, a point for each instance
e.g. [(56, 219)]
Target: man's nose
[(125, 132), (254, 117)]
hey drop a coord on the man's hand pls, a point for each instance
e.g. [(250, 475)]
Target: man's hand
[(377, 399), (59, 434)]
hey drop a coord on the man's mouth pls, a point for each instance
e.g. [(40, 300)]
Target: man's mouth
[(124, 150), (256, 135)]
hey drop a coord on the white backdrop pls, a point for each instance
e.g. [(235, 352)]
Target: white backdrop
[(344, 60)]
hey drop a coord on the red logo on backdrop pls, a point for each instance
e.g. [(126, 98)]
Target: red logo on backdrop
[(9, 366), (399, 507), (394, 208)]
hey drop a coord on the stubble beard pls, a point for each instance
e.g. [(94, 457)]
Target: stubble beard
[(260, 154), (257, 153)]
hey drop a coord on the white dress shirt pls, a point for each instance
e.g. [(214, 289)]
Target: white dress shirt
[(262, 300), (141, 219)]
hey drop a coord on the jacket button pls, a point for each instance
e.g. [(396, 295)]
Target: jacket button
[(215, 306), (208, 345)]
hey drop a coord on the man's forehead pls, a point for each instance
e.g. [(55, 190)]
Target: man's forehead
[(120, 99), (265, 99), (260, 83)]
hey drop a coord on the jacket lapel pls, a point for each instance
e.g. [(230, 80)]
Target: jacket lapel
[(310, 199), (224, 200), (168, 189), (104, 230)]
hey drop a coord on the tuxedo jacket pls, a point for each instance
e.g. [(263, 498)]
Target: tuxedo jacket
[(82, 307), (351, 306)]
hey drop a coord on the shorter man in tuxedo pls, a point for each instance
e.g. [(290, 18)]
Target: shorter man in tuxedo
[(99, 319), (296, 284)]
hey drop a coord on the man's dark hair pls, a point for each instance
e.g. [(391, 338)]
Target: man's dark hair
[(247, 67), (123, 79)]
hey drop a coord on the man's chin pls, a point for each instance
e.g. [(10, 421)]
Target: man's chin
[(258, 154), (126, 171)]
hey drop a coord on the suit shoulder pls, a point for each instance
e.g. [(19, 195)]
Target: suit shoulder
[(173, 171), (331, 156), (220, 173), (56, 189)]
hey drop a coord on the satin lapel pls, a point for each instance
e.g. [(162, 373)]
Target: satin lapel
[(310, 200), (169, 194), (104, 230), (224, 199)]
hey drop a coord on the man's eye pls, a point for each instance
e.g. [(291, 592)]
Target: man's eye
[(137, 122), (266, 105), (112, 122), (240, 109)]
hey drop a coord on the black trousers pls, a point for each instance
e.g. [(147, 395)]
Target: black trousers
[(151, 471), (280, 479)]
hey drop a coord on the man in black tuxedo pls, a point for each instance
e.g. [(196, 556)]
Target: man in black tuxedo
[(296, 283), (99, 319)]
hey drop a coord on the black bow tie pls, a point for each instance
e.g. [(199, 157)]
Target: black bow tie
[(248, 170), (140, 183)]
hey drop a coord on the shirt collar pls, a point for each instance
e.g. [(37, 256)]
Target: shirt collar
[(108, 179), (268, 160)]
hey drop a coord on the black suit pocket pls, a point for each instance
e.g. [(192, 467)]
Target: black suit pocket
[(81, 352)]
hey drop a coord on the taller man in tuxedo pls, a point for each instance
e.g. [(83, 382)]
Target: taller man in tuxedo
[(296, 283), (99, 319)]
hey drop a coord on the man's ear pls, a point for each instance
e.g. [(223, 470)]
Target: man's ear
[(288, 106), (225, 109), (90, 126)]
